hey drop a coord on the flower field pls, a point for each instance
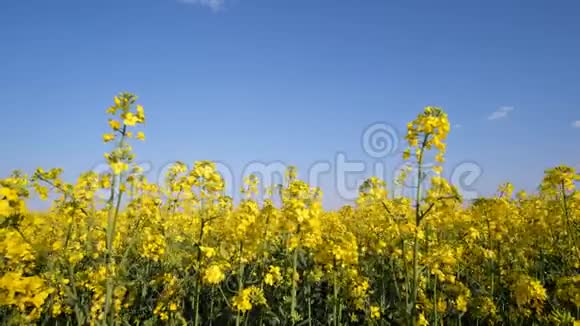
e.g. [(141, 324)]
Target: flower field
[(185, 254)]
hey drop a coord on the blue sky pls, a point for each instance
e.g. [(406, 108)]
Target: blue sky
[(295, 81)]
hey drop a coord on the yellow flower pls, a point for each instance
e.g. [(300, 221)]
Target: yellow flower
[(9, 194), (111, 110), (119, 167), (375, 312), (130, 119), (108, 137), (268, 279), (140, 135), (353, 317), (273, 276), (208, 251), (461, 304), (422, 321), (244, 299), (172, 307), (114, 124), (140, 113), (4, 207), (528, 290), (213, 275), (56, 309), (242, 302)]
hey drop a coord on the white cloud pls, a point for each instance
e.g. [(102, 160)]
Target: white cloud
[(501, 113), (576, 124), (457, 126), (215, 5)]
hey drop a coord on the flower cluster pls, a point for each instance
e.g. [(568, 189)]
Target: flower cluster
[(185, 253)]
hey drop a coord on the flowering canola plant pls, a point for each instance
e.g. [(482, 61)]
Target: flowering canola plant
[(182, 253)]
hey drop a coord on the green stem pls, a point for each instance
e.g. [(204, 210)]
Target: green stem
[(294, 285), (335, 296), (197, 295), (405, 268), (571, 233), (309, 303), (198, 281), (415, 285), (111, 228), (436, 313), (240, 282)]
